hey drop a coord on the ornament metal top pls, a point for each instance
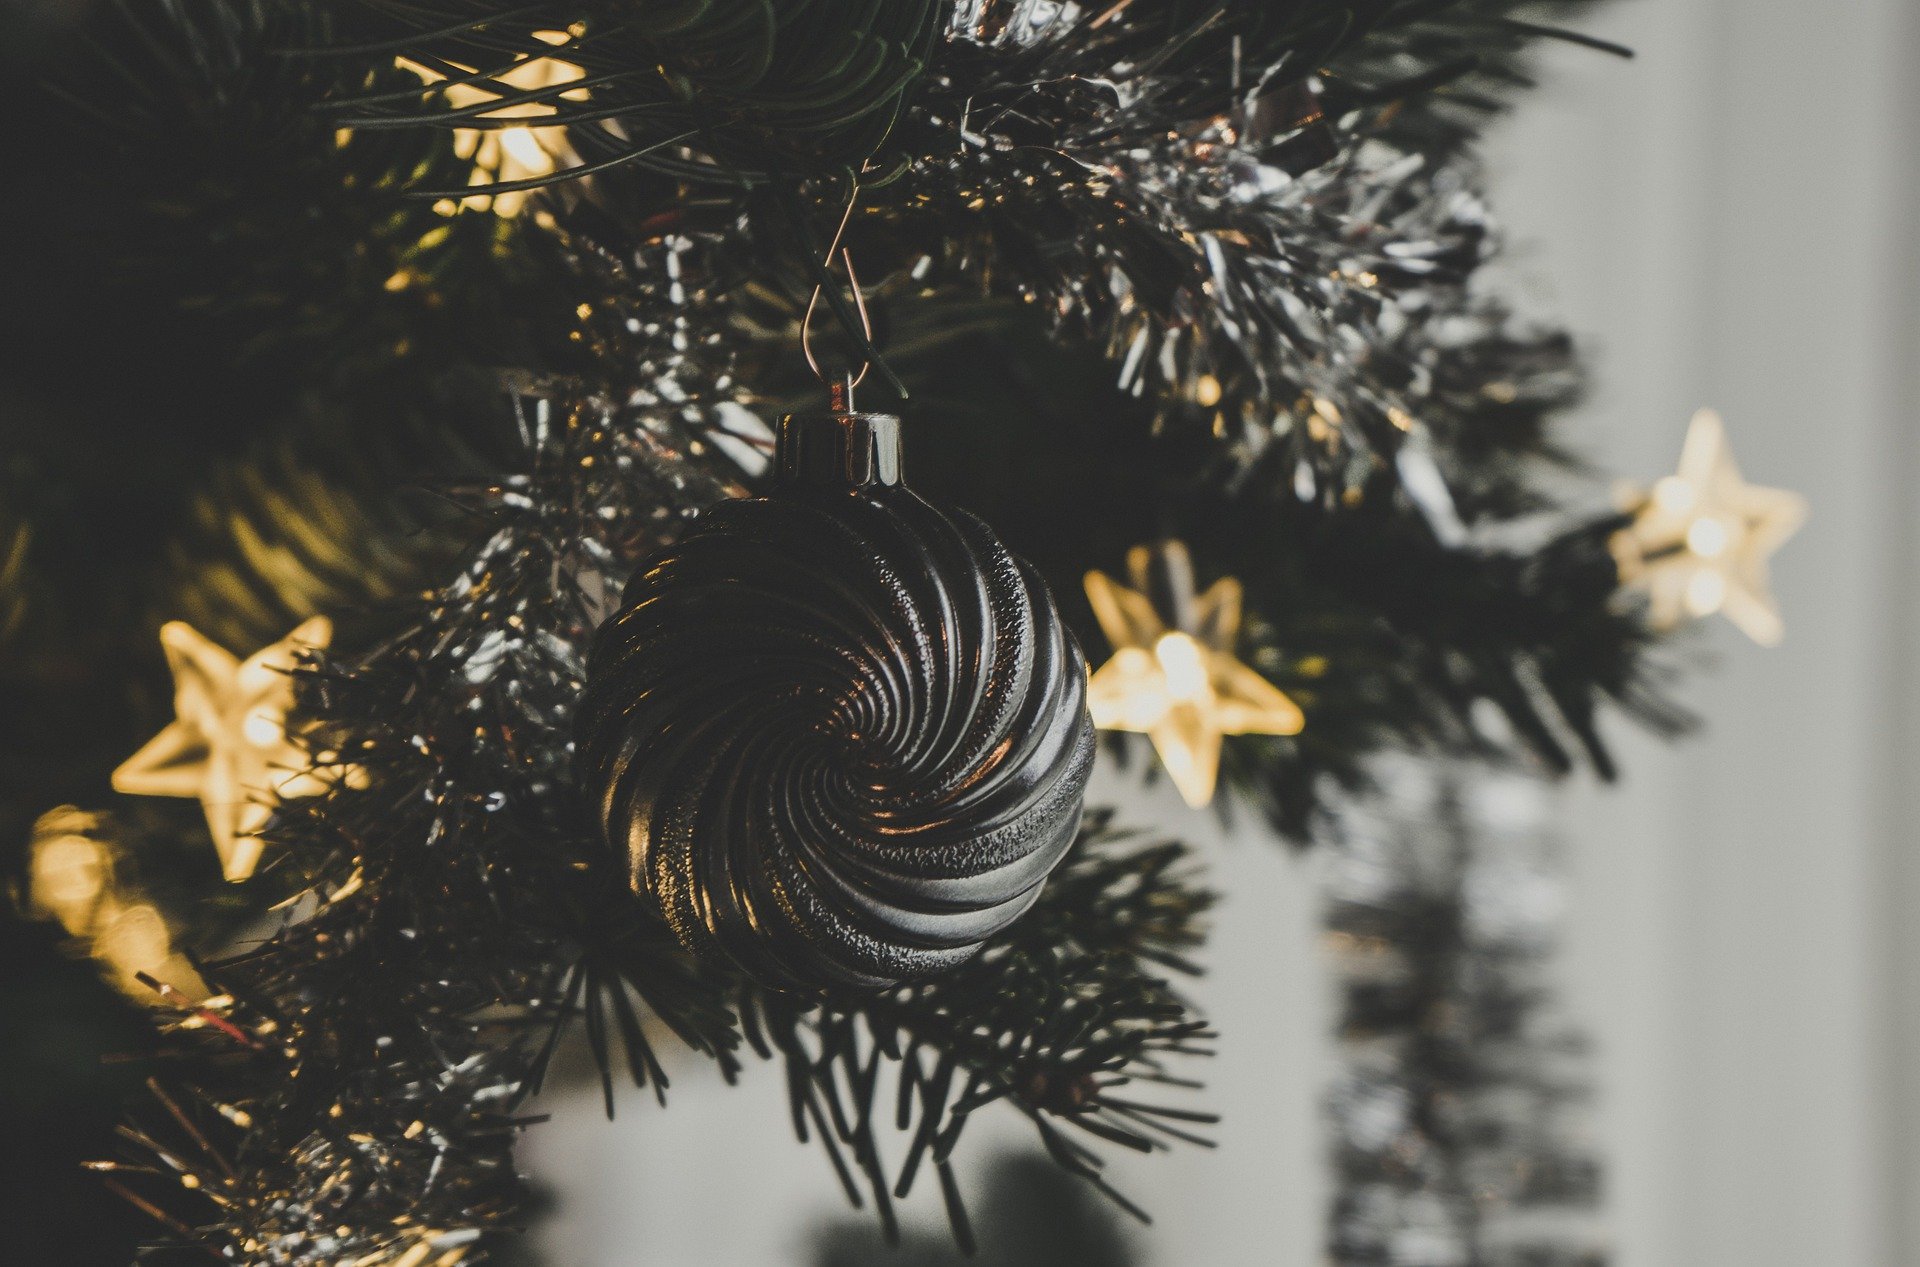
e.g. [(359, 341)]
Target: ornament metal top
[(841, 735)]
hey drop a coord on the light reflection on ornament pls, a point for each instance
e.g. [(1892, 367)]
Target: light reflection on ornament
[(1173, 676), (1701, 540)]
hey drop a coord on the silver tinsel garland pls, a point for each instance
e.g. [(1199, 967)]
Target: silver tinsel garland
[(1267, 272), (375, 1120), (353, 1093), (1462, 1127)]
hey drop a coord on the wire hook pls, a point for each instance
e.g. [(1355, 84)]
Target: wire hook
[(841, 389)]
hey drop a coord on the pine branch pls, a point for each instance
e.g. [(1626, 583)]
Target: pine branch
[(452, 909), (208, 205), (1262, 242), (1060, 1017), (752, 87), (1312, 373), (454, 916)]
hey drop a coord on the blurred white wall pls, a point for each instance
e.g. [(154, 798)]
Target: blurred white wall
[(1727, 220)]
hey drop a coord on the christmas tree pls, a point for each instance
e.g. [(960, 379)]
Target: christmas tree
[(480, 566)]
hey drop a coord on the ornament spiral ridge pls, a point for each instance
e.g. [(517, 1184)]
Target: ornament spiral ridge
[(841, 735)]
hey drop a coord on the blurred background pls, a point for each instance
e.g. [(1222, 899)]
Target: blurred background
[(1729, 219)]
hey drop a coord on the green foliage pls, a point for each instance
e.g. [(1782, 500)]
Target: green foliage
[(1060, 1016), (753, 87), (233, 211)]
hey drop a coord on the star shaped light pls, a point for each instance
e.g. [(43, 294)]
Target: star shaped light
[(1701, 540), (1173, 676), (525, 151), (228, 744), (72, 880)]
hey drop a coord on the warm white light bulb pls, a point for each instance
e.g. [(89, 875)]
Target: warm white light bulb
[(524, 149), (1674, 495), (1708, 537), (1185, 667), (263, 729), (1706, 593)]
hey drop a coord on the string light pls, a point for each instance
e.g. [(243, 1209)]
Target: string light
[(1702, 538), (228, 745), (69, 869), (503, 154), (1173, 676), (72, 880)]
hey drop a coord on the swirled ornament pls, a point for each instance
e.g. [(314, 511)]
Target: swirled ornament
[(841, 736)]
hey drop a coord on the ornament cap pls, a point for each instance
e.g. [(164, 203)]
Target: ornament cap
[(842, 449)]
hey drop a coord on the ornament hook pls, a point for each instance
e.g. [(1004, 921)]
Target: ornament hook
[(841, 389)]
